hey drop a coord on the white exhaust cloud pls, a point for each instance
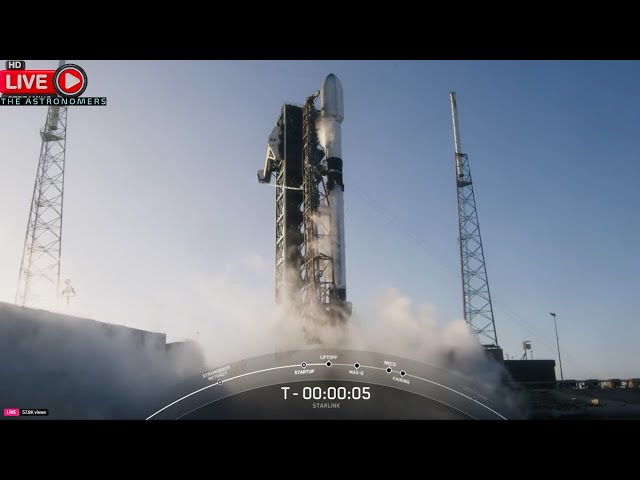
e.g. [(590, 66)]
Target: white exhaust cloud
[(232, 316)]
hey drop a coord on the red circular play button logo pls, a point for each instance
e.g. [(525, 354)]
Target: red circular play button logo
[(70, 81)]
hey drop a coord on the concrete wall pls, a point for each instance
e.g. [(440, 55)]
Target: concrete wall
[(81, 368)]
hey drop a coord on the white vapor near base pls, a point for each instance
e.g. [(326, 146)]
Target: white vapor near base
[(245, 322), (96, 372)]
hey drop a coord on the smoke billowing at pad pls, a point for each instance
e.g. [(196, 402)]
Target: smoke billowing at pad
[(79, 368), (398, 327), (395, 327)]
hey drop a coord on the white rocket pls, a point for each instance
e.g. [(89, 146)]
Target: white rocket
[(329, 127)]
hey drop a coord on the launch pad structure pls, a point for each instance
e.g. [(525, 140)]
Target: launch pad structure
[(309, 261), (310, 257)]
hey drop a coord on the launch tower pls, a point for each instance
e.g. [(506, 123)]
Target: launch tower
[(304, 155), (39, 276), (478, 310)]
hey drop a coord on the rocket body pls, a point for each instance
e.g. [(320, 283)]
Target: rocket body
[(330, 138)]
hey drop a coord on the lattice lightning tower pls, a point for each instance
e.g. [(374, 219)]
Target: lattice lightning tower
[(39, 277), (478, 310)]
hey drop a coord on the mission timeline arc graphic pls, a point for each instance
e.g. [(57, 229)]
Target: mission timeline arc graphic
[(333, 384)]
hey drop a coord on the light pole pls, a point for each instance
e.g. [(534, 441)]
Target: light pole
[(68, 291), (558, 342)]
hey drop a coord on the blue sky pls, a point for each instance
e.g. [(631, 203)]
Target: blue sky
[(161, 188)]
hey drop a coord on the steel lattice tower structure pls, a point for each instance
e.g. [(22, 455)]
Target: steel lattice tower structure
[(284, 161), (304, 266), (478, 310), (39, 276), (317, 268)]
